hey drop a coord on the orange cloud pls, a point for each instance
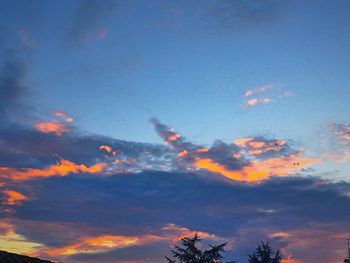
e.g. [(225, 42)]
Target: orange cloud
[(14, 198), (106, 148), (176, 233), (173, 137), (256, 147), (57, 128), (279, 235), (62, 168), (242, 142), (289, 259), (101, 243), (258, 170), (182, 154)]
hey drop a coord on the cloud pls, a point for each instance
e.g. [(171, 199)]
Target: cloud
[(57, 128), (89, 21), (258, 90), (16, 243), (246, 160), (13, 197), (62, 168), (12, 86), (96, 206), (150, 209), (254, 102), (100, 244), (60, 114), (261, 147), (265, 94), (341, 132), (170, 233), (339, 135)]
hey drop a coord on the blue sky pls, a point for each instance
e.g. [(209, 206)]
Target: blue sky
[(154, 53), (170, 87)]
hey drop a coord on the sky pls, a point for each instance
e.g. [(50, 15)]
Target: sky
[(127, 125)]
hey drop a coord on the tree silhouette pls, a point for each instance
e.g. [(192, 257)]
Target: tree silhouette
[(190, 253), (264, 254)]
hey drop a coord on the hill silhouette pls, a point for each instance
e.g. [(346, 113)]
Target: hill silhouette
[(7, 257)]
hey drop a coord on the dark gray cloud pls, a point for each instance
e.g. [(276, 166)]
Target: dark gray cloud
[(12, 85), (130, 204), (23, 146), (187, 152)]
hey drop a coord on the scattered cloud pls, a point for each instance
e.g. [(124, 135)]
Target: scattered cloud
[(254, 102), (265, 94), (258, 90)]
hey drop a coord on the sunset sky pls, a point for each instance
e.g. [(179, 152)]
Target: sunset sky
[(127, 125)]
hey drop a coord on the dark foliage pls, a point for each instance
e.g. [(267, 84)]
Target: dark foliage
[(190, 253), (264, 254)]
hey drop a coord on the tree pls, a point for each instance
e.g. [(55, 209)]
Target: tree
[(190, 253), (264, 254)]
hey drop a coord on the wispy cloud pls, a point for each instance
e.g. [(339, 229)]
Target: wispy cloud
[(64, 116), (13, 197), (339, 134), (265, 94), (341, 131), (62, 168)]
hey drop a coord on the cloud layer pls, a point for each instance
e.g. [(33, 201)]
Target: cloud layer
[(74, 196)]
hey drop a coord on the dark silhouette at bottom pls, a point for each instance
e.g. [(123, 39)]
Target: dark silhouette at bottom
[(188, 252)]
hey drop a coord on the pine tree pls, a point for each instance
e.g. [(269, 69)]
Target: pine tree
[(264, 254), (190, 253)]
